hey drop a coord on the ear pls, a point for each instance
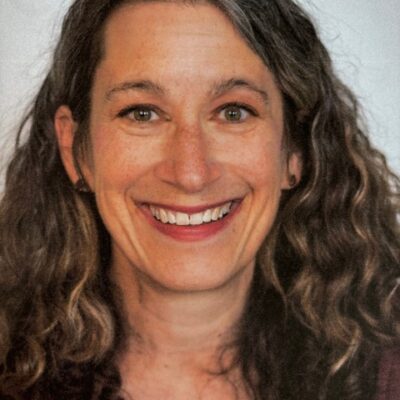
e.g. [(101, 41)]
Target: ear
[(65, 128), (293, 171)]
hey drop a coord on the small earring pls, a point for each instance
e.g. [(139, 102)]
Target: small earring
[(292, 180), (81, 186)]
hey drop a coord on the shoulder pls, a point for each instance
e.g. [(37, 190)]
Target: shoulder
[(389, 375)]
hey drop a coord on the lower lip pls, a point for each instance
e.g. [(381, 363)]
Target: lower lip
[(190, 233)]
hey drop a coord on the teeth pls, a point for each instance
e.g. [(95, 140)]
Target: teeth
[(180, 218), (215, 214), (207, 216), (164, 216), (226, 208), (171, 217), (196, 219)]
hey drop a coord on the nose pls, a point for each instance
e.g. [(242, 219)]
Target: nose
[(188, 162)]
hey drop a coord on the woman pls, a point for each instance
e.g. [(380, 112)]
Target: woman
[(196, 213)]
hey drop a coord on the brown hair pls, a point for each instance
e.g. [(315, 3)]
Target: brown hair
[(323, 302)]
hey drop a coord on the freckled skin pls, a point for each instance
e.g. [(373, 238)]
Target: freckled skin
[(192, 158), (183, 298)]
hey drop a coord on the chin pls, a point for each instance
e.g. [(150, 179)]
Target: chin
[(190, 277)]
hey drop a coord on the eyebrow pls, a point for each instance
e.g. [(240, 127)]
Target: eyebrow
[(217, 90), (225, 86), (143, 85)]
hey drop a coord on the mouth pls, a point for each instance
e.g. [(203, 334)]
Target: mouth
[(191, 223), (209, 215)]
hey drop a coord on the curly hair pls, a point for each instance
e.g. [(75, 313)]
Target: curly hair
[(323, 302)]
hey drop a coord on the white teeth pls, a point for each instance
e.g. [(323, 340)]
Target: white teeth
[(180, 218), (207, 216), (156, 212), (171, 217), (164, 216), (215, 214), (226, 208), (196, 219)]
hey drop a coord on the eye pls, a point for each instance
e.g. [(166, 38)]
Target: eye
[(140, 113), (236, 112)]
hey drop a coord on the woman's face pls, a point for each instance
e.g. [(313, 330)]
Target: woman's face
[(187, 160)]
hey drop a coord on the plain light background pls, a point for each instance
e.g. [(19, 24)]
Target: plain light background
[(362, 35)]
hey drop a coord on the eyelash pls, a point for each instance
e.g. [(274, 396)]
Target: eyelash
[(242, 106), (130, 109), (151, 108)]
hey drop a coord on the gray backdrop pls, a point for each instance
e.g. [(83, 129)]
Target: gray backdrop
[(363, 36)]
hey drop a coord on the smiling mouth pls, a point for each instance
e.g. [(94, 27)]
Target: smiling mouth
[(167, 216)]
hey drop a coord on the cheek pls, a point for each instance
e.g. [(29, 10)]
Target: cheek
[(119, 159), (260, 162)]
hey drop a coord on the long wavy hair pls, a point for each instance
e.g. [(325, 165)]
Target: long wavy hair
[(323, 302)]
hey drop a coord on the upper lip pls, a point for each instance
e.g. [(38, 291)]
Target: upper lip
[(191, 209)]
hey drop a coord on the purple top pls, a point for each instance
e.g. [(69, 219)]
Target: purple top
[(389, 376)]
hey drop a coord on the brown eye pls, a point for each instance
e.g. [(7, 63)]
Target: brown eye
[(143, 114), (233, 113)]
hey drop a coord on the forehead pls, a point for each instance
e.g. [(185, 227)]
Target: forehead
[(185, 49), (158, 17), (136, 31)]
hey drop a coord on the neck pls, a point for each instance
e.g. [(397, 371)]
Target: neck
[(180, 323), (178, 337)]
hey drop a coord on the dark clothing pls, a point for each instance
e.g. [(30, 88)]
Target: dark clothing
[(389, 376)]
